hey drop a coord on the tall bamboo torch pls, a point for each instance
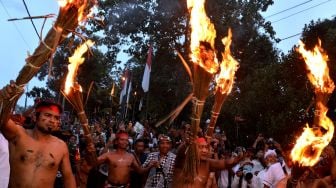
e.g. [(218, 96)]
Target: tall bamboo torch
[(205, 65), (71, 12), (73, 93), (312, 141), (224, 82)]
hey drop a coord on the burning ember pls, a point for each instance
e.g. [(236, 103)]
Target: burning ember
[(203, 36), (310, 144), (75, 60), (228, 67)]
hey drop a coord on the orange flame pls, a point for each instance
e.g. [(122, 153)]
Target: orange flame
[(311, 143), (75, 60), (81, 4), (202, 30), (316, 61), (228, 67)]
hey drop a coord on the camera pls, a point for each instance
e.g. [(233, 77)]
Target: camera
[(159, 169), (247, 171)]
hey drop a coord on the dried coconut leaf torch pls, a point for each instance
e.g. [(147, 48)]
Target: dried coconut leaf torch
[(205, 65), (312, 141), (71, 12), (73, 93), (224, 82)]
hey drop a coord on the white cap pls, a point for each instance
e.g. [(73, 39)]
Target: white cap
[(270, 152)]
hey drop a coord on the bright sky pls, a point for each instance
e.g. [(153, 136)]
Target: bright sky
[(291, 22), (18, 38)]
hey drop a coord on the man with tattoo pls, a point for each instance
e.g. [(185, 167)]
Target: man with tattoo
[(35, 155), (120, 163)]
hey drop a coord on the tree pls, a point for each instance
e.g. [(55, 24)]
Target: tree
[(164, 24), (96, 69), (40, 92)]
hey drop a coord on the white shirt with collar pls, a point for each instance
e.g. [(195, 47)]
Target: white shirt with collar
[(4, 162)]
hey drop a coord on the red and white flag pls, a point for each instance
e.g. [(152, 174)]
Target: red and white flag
[(146, 76), (124, 83)]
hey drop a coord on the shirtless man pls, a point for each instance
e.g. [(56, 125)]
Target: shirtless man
[(35, 155), (120, 163), (206, 166)]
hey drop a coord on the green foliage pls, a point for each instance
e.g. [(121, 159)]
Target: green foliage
[(271, 93), (40, 92)]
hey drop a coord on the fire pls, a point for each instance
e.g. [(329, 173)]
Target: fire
[(317, 63), (81, 4), (63, 3), (311, 143), (75, 60), (202, 31), (228, 67)]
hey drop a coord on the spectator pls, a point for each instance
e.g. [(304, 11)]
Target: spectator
[(139, 180), (274, 175), (161, 177)]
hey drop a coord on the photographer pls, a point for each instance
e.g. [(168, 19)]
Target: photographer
[(244, 177)]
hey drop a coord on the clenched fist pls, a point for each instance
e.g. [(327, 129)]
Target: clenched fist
[(10, 90)]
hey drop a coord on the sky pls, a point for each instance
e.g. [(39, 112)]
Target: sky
[(19, 38)]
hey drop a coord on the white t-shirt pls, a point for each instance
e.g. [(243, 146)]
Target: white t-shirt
[(4, 162), (223, 180), (257, 166), (255, 182), (273, 175)]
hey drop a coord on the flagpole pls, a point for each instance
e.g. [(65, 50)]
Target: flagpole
[(128, 92), (147, 104), (125, 104), (133, 107)]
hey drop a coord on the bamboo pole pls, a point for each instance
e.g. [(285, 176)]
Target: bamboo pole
[(66, 22)]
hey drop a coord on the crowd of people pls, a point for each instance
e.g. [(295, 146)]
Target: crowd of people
[(262, 164), (33, 153)]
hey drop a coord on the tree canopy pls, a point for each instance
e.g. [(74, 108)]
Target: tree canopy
[(271, 93)]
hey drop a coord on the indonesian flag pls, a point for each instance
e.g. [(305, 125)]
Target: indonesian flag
[(146, 76), (124, 83)]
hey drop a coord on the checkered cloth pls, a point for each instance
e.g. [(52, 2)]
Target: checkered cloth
[(157, 178)]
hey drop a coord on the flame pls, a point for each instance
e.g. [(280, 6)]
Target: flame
[(64, 3), (228, 67), (311, 143), (202, 30), (81, 4), (316, 61), (75, 60)]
